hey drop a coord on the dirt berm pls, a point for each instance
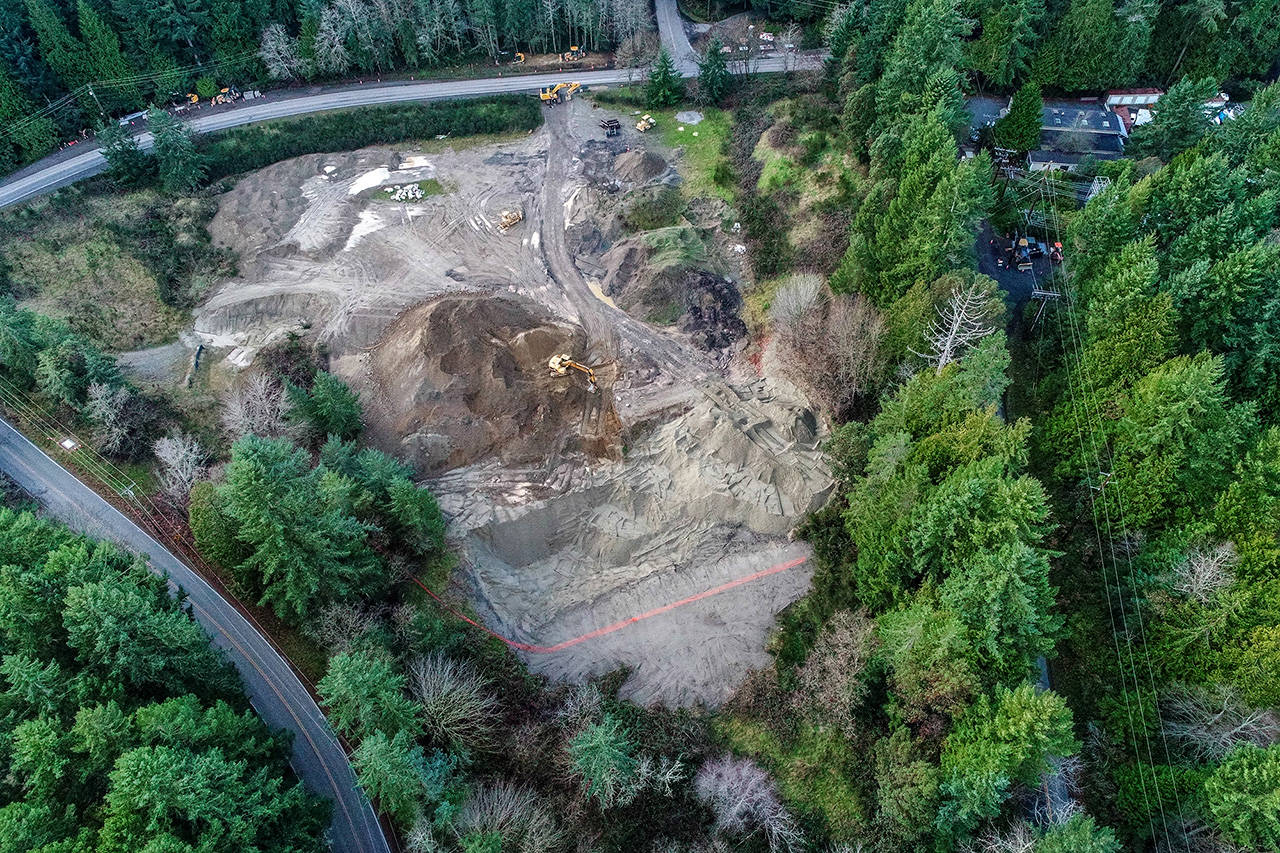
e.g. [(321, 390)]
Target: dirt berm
[(462, 378)]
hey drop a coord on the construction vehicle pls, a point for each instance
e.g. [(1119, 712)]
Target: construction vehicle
[(559, 93), (510, 218), (562, 364), (645, 123), (611, 126), (574, 54), (519, 60)]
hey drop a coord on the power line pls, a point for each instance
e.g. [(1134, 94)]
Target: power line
[(118, 83), (1077, 344)]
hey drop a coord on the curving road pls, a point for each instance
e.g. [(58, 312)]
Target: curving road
[(273, 688)]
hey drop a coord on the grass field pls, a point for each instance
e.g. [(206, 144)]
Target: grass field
[(120, 268)]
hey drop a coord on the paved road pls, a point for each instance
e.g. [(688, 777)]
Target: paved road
[(276, 694), (672, 34), (91, 162)]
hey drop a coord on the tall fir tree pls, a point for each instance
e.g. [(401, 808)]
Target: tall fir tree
[(664, 87), (58, 47), (1020, 127), (106, 61), (713, 74), (180, 166)]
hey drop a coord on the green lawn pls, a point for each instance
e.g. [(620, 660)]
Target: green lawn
[(702, 152)]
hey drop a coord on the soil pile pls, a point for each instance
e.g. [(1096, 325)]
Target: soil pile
[(638, 166), (713, 307), (705, 497), (461, 378)]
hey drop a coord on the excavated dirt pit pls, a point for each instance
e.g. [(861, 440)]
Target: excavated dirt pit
[(572, 510)]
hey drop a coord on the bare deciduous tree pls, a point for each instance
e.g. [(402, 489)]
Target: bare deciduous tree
[(582, 705), (1206, 572), (339, 626), (788, 43), (458, 707), (106, 407), (1190, 835), (962, 322), (279, 53), (515, 812), (1211, 721), (1018, 838), (831, 343), (330, 46), (256, 406), (829, 685), (181, 461), (854, 329), (745, 802)]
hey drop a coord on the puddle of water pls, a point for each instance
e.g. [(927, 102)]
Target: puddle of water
[(600, 294)]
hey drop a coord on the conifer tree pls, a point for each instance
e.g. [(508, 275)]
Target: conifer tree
[(1020, 128), (181, 167), (106, 62), (664, 88), (713, 74)]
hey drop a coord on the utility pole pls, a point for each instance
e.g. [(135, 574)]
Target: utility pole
[(1044, 296), (101, 111)]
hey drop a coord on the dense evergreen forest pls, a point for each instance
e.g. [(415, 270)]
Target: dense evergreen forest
[(123, 729)]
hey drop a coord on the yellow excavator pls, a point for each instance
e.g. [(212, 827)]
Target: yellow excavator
[(559, 93), (562, 364)]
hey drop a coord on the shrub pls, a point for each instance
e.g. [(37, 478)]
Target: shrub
[(244, 149), (458, 710), (662, 209)]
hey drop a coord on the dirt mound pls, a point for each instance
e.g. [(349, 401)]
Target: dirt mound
[(638, 166), (465, 377), (705, 498), (713, 308)]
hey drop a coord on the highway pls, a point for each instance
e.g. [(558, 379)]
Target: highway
[(273, 688)]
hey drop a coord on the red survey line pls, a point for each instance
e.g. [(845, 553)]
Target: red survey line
[(616, 626)]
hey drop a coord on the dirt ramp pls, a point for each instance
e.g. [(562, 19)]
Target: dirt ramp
[(465, 377)]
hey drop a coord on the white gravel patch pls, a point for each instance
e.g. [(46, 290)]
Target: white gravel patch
[(369, 180)]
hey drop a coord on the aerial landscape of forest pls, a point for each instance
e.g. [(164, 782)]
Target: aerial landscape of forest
[(521, 426)]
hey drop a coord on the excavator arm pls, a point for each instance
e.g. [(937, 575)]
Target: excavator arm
[(562, 364)]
